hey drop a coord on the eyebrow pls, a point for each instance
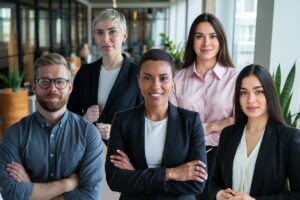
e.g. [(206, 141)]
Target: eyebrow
[(158, 75), (200, 33), (255, 88), (111, 28)]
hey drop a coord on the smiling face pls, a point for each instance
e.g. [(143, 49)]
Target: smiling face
[(109, 37), (52, 99), (252, 98), (206, 44), (156, 82)]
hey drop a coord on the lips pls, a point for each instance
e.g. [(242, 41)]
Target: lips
[(205, 50), (155, 94), (106, 47), (52, 96), (252, 109)]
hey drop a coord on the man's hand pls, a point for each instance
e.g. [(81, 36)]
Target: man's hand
[(225, 194), (17, 172), (190, 171), (121, 161), (104, 130), (92, 114)]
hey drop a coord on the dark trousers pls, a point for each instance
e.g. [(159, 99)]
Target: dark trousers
[(211, 152)]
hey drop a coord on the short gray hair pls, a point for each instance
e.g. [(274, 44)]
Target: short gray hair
[(113, 15), (51, 59)]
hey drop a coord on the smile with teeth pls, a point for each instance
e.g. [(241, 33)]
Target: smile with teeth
[(155, 94)]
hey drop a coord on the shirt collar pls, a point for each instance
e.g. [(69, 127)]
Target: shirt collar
[(218, 70), (43, 123)]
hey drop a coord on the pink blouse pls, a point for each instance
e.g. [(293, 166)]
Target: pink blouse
[(212, 97)]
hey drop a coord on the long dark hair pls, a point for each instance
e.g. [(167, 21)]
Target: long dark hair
[(223, 55), (272, 100)]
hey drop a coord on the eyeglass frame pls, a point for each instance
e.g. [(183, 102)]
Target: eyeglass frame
[(52, 81)]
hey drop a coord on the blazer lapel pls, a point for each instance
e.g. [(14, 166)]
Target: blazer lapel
[(94, 78), (121, 79), (267, 144), (231, 150), (173, 129), (138, 138)]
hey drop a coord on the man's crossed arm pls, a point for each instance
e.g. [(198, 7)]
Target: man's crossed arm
[(49, 190)]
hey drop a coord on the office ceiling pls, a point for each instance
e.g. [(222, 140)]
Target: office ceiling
[(130, 1)]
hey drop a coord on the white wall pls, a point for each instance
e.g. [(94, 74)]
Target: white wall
[(277, 39)]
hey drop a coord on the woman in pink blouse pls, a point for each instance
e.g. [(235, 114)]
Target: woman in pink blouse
[(207, 81)]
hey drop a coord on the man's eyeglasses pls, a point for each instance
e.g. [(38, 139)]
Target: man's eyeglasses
[(45, 83)]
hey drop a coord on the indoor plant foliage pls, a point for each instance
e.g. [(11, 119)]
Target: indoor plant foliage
[(13, 99), (285, 95), (175, 52), (13, 80)]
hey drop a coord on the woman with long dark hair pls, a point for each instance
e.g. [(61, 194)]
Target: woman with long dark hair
[(258, 156), (206, 82)]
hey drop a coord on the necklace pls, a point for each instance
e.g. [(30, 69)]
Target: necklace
[(255, 131)]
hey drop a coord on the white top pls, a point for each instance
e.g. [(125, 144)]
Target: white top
[(106, 81), (155, 137), (243, 166)]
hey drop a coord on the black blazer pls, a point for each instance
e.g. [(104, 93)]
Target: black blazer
[(124, 94), (278, 159), (184, 142)]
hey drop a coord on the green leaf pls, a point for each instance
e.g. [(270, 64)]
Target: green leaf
[(287, 88), (294, 124), (287, 108), (278, 80), (13, 80), (288, 119)]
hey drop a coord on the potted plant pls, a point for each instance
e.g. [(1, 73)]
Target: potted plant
[(13, 99), (175, 52), (285, 95)]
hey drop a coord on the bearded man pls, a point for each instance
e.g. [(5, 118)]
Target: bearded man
[(52, 153)]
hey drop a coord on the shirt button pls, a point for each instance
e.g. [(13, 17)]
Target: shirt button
[(51, 174), (52, 135), (51, 155)]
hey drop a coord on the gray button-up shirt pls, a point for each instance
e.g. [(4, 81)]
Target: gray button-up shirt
[(48, 153)]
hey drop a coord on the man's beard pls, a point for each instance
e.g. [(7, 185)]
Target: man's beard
[(52, 106)]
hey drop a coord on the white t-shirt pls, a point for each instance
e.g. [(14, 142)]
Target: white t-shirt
[(243, 166), (155, 137), (106, 82)]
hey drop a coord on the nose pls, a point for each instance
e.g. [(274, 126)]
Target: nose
[(251, 97), (206, 41), (105, 36), (52, 86), (155, 83)]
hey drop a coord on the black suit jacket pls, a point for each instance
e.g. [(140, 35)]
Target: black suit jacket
[(124, 94), (278, 159), (184, 142)]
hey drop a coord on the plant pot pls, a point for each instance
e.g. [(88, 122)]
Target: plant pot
[(13, 106)]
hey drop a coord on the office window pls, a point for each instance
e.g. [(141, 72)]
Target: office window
[(244, 32), (44, 40), (74, 34), (28, 41), (31, 2), (65, 24), (8, 37)]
